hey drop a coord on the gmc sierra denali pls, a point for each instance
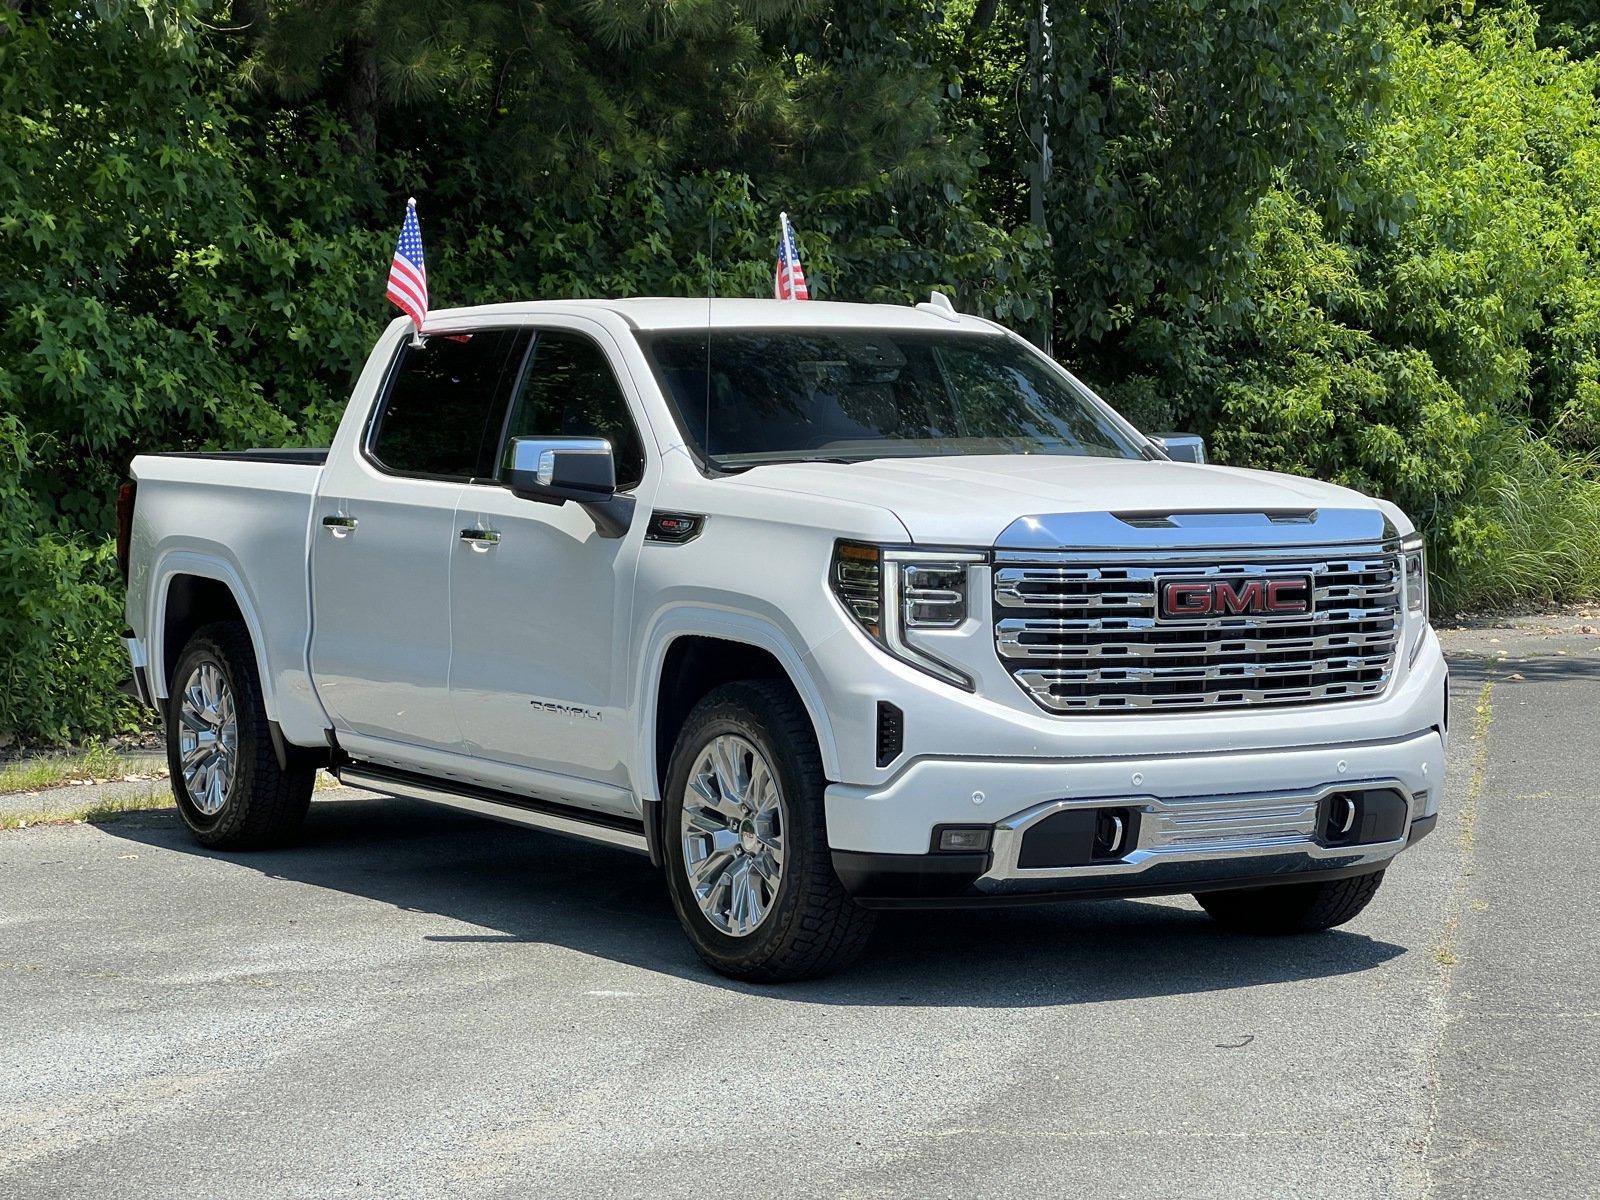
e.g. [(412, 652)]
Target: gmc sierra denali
[(824, 607)]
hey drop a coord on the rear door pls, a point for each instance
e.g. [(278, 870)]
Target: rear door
[(540, 603), (383, 536)]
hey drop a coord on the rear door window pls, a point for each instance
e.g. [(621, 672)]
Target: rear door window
[(447, 404)]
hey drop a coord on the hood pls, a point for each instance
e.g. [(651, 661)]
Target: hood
[(971, 501)]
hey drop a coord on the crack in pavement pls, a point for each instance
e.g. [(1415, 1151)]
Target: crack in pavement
[(1419, 1177)]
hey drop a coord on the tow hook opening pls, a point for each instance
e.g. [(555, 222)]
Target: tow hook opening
[(1110, 832), (1363, 816), (1078, 837)]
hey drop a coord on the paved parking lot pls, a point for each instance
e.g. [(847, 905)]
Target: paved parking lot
[(415, 1003)]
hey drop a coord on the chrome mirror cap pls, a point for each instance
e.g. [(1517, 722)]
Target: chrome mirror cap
[(1182, 447), (553, 470), (563, 465)]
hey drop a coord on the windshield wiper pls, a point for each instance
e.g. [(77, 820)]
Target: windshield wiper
[(784, 462)]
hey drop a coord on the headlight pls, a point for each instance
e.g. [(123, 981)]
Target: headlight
[(1414, 573), (893, 594)]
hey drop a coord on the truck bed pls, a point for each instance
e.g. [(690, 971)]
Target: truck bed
[(240, 517)]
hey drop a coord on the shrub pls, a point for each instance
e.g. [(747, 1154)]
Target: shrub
[(1530, 532), (60, 599)]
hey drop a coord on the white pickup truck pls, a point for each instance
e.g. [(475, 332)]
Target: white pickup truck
[(825, 607)]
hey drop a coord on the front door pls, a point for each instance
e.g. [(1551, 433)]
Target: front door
[(541, 604), (383, 537)]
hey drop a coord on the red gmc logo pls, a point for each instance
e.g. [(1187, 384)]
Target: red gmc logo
[(1283, 596)]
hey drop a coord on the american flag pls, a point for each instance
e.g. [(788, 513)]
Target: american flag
[(408, 277), (789, 282)]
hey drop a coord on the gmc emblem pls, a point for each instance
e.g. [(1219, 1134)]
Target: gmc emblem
[(1281, 596)]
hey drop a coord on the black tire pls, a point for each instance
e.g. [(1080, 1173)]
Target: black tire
[(813, 927), (264, 804), (1293, 907)]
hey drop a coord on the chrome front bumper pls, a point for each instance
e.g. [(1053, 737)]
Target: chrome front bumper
[(1197, 822), (1202, 829)]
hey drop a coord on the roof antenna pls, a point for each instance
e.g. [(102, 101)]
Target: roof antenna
[(711, 291), (939, 305)]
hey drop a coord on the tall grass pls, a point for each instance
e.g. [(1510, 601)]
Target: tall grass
[(1533, 533)]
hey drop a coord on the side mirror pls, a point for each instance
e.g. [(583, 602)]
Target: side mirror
[(553, 470), (1182, 447)]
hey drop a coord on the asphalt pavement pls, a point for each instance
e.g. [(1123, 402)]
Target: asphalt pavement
[(418, 1003)]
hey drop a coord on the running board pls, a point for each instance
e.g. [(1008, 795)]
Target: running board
[(501, 806)]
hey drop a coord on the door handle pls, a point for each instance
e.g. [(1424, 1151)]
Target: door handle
[(340, 526), (481, 540)]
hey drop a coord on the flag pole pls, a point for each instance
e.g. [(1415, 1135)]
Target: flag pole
[(783, 243), (785, 240), (417, 340)]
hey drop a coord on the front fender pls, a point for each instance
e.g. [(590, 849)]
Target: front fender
[(688, 619)]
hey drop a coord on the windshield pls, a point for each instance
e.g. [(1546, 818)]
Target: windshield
[(788, 395)]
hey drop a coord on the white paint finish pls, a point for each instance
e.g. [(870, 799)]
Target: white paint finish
[(694, 620), (542, 616), (380, 647), (672, 312), (558, 614), (381, 597), (541, 620), (243, 524), (898, 818), (481, 772), (969, 501)]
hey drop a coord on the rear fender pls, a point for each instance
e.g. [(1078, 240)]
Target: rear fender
[(207, 566)]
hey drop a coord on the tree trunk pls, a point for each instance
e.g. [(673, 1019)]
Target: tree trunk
[(357, 99), (982, 17)]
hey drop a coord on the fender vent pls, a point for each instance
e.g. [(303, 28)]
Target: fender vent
[(891, 733)]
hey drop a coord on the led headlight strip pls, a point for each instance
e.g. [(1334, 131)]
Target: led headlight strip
[(1414, 584), (891, 593)]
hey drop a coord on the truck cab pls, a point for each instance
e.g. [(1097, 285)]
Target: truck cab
[(825, 607)]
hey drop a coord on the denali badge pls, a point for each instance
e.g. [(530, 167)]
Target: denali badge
[(1281, 596), (566, 710)]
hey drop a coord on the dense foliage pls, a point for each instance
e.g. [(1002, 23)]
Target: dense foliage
[(1359, 244)]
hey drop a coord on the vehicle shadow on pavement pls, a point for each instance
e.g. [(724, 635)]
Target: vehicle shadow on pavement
[(1539, 668), (520, 886)]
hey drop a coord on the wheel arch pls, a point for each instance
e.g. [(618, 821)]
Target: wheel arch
[(191, 591), (689, 654)]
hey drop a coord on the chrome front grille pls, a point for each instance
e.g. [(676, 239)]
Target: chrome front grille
[(1082, 633)]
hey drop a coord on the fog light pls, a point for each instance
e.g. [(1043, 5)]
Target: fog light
[(968, 840)]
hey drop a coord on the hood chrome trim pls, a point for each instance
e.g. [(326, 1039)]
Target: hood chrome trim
[(1158, 530)]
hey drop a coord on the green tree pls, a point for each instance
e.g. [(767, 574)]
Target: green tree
[(1439, 347)]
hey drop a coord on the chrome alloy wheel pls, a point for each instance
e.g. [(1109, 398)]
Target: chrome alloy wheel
[(732, 831), (208, 738)]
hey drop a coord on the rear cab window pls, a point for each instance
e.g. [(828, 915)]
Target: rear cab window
[(445, 405)]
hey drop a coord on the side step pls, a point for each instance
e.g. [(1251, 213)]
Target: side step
[(604, 828)]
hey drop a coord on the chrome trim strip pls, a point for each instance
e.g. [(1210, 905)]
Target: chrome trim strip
[(1117, 555), (1197, 829), (1336, 690), (1118, 673), (1336, 577), (1166, 532), (1010, 631), (508, 810)]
